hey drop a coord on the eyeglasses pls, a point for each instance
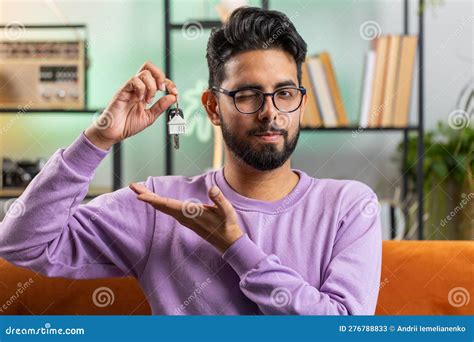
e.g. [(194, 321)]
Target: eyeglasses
[(251, 100)]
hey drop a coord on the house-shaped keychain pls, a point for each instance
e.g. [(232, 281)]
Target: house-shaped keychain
[(176, 125)]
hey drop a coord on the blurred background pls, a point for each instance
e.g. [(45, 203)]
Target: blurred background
[(121, 35)]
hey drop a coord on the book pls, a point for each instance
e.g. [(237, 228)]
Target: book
[(390, 94), (369, 71), (312, 117), (375, 111), (334, 89), (323, 94), (405, 81)]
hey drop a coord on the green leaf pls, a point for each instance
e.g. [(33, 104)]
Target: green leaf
[(440, 169)]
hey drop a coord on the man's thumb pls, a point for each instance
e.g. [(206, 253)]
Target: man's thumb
[(216, 195)]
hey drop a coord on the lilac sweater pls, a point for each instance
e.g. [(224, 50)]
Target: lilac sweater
[(315, 252)]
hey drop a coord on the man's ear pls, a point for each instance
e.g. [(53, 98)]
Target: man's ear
[(303, 108), (209, 101)]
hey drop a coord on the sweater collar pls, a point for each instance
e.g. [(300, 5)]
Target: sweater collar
[(271, 207)]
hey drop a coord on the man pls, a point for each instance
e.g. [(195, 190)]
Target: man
[(256, 237)]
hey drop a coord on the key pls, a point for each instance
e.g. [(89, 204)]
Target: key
[(176, 124)]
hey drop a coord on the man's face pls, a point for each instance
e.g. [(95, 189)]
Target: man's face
[(244, 134)]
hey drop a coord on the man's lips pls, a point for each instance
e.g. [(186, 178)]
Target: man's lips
[(268, 134), (269, 137)]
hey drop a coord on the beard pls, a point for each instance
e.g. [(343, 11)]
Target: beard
[(268, 157)]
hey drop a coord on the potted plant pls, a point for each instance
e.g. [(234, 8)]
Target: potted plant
[(448, 181)]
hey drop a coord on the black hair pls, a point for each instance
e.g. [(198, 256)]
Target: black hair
[(252, 28)]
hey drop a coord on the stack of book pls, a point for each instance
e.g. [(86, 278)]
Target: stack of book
[(325, 106), (387, 84)]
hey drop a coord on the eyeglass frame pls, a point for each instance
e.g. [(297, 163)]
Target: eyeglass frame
[(231, 93)]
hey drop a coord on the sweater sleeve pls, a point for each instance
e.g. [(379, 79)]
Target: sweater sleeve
[(49, 231), (350, 283)]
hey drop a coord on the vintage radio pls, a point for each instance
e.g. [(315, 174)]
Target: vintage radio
[(42, 74)]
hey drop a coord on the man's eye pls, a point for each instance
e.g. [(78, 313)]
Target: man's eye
[(249, 97), (285, 93)]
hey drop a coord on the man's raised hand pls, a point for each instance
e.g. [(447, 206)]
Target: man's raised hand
[(127, 113)]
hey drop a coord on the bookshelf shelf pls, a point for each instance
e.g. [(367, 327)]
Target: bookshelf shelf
[(418, 128)]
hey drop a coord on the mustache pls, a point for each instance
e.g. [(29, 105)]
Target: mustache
[(262, 130)]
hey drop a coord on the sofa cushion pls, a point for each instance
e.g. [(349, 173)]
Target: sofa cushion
[(427, 278), (418, 278)]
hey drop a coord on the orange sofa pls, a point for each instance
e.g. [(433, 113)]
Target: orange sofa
[(418, 278)]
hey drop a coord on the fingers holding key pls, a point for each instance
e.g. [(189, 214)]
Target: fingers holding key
[(149, 74), (171, 87), (150, 84), (157, 74)]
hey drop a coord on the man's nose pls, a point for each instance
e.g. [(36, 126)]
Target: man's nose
[(268, 111)]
